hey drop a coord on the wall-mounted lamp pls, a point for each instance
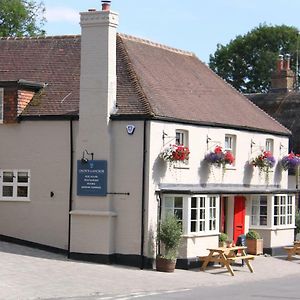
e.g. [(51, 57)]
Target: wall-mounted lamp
[(166, 136), (84, 160)]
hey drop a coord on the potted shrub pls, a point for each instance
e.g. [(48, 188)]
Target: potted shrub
[(297, 224), (223, 237), (169, 237), (254, 243)]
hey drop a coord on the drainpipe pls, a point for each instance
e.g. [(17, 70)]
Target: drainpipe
[(143, 198), (70, 186)]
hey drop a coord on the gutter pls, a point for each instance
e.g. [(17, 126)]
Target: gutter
[(70, 186)]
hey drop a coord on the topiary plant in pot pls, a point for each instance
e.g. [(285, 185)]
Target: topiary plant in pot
[(254, 243), (223, 238), (169, 237)]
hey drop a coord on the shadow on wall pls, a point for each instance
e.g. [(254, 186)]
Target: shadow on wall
[(278, 174), (248, 173), (204, 171), (158, 170)]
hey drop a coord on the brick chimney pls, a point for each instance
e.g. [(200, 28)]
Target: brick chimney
[(283, 79)]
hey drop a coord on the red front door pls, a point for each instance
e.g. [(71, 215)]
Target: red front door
[(239, 217)]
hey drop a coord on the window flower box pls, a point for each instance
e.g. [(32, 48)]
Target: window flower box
[(290, 161), (220, 158), (175, 153)]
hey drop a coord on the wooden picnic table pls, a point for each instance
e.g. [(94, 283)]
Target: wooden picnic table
[(292, 250), (225, 256)]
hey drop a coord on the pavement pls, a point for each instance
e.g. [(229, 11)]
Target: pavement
[(32, 274)]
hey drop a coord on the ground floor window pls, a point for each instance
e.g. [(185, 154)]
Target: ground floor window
[(198, 214), (272, 210), (14, 184)]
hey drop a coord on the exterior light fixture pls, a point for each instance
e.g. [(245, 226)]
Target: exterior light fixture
[(84, 159)]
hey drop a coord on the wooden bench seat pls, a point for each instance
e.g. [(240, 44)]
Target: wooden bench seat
[(241, 257), (292, 250)]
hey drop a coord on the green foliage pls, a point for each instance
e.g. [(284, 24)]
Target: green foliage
[(297, 221), (223, 237), (253, 235), (248, 61), (170, 235), (21, 18)]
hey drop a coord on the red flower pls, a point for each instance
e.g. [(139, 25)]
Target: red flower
[(218, 150), (229, 158)]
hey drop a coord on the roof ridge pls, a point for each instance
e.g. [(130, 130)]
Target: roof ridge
[(40, 37), (155, 44)]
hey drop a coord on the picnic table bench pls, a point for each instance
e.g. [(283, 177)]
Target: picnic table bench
[(226, 256), (292, 250)]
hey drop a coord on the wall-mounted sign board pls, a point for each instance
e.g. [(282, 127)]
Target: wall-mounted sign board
[(92, 178)]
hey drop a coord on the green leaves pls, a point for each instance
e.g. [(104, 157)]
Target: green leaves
[(21, 18), (248, 61)]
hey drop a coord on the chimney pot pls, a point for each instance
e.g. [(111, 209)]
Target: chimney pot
[(280, 63), (287, 62), (92, 9), (106, 5)]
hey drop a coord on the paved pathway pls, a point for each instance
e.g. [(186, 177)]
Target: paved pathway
[(31, 274)]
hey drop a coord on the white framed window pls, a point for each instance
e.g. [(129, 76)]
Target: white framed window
[(270, 145), (181, 137), (198, 214), (283, 213), (1, 104), (203, 212), (230, 144), (259, 210), (15, 185)]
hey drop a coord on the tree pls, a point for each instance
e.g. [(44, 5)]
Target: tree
[(21, 18), (248, 61)]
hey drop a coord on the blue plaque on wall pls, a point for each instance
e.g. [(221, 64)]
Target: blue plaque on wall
[(92, 178)]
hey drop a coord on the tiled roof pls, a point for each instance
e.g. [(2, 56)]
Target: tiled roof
[(153, 80), (285, 108)]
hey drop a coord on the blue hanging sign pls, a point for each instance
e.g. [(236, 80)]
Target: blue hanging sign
[(92, 178)]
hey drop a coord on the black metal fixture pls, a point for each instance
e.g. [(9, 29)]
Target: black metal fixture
[(84, 159)]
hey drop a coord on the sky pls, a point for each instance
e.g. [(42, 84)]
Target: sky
[(192, 25)]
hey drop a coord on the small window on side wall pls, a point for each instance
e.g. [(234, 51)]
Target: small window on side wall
[(270, 145), (230, 144), (181, 137)]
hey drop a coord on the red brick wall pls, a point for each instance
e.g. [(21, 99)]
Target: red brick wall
[(10, 106)]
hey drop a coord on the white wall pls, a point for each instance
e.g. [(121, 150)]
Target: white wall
[(43, 147)]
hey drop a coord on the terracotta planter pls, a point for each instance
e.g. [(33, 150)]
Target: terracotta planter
[(165, 265), (255, 247)]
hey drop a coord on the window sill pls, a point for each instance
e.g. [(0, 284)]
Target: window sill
[(205, 234), (15, 200), (272, 228)]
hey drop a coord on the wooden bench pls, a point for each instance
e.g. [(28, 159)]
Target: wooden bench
[(292, 250), (248, 256)]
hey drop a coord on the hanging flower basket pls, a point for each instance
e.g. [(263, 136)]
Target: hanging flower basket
[(220, 158), (175, 153), (265, 161), (290, 161)]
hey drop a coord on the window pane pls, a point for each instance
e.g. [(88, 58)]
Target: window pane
[(275, 220), (22, 176), (263, 210), (194, 202), (168, 202), (263, 200), (193, 214), (178, 202), (7, 191), (193, 226), (263, 220), (178, 213), (8, 176), (22, 191), (276, 200)]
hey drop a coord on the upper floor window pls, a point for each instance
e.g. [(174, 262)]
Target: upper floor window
[(14, 185), (1, 104), (270, 145), (230, 144), (182, 137)]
